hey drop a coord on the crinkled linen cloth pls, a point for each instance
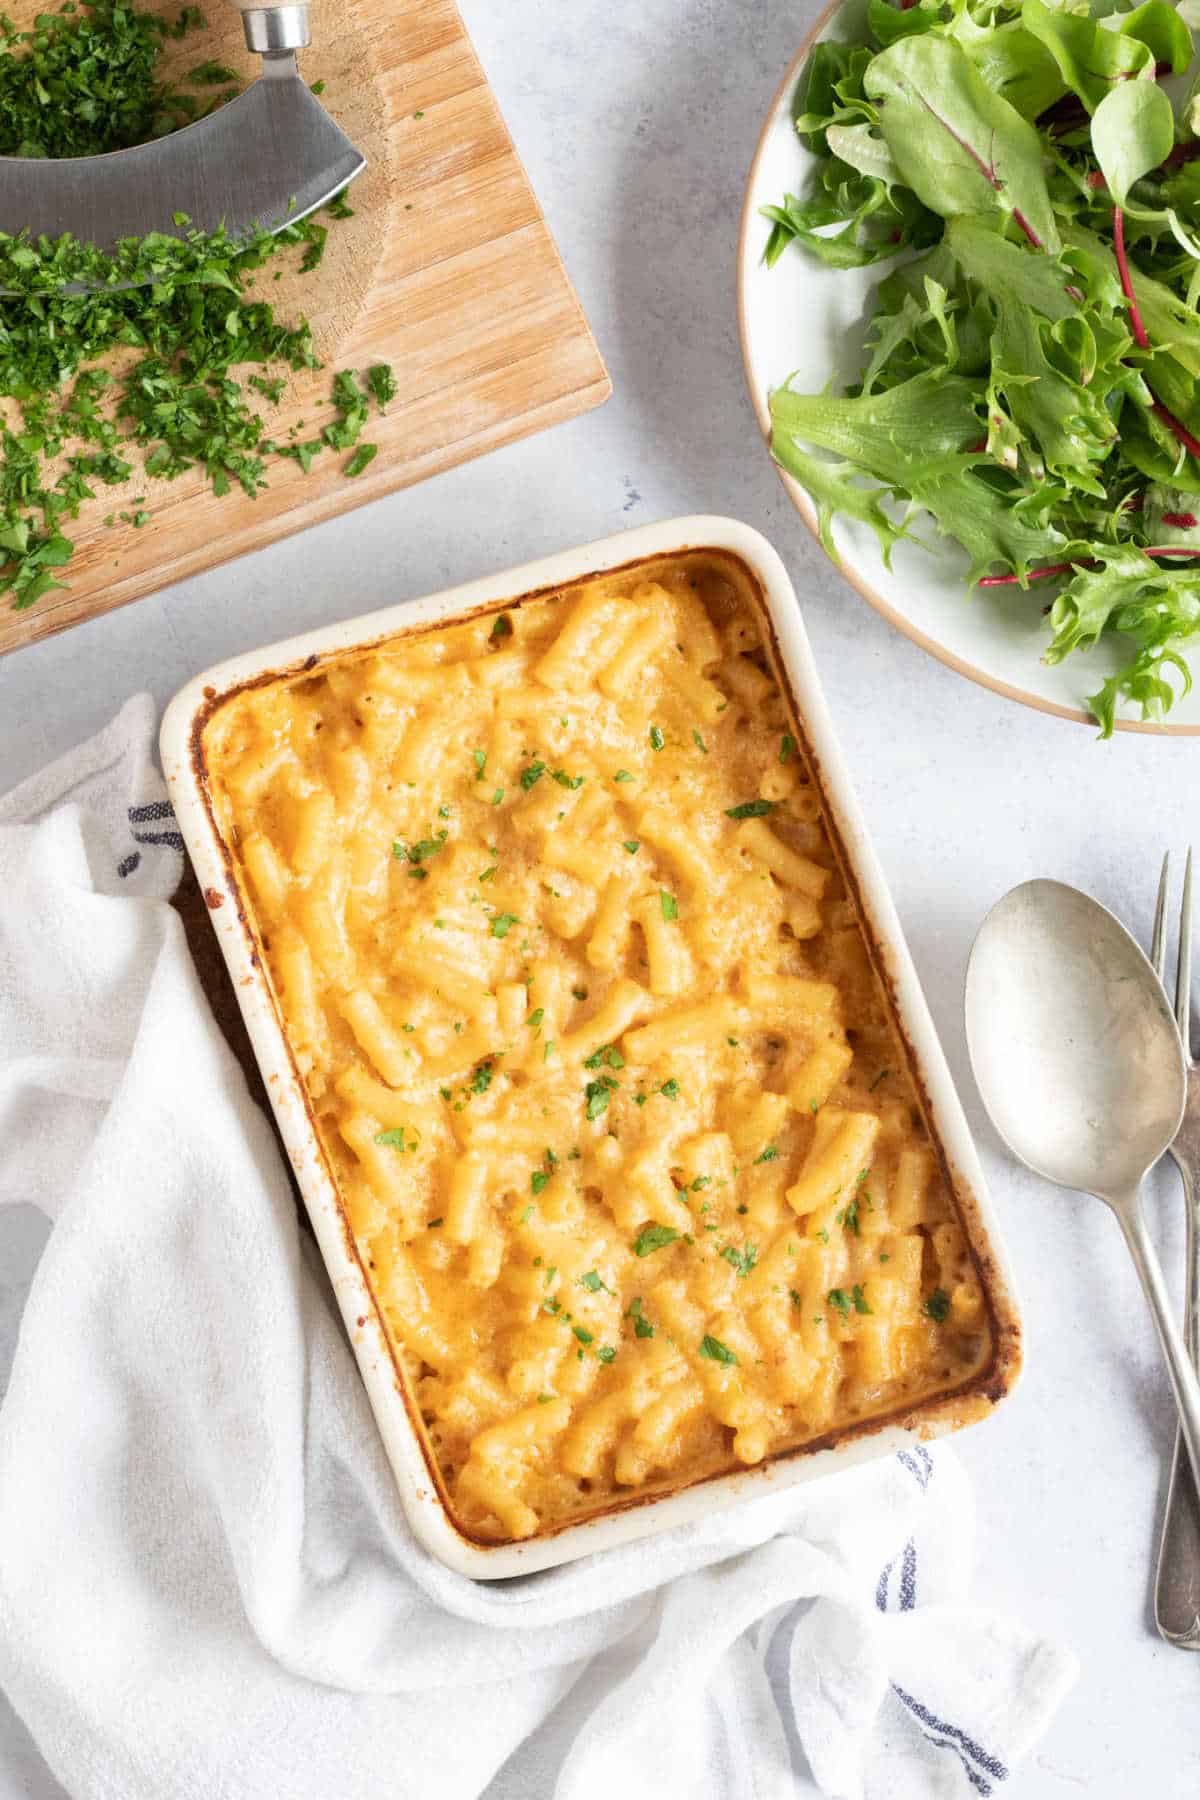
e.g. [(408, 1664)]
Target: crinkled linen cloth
[(207, 1586)]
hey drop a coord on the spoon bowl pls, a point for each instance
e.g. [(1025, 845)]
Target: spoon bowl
[(1082, 1069), (1072, 1040)]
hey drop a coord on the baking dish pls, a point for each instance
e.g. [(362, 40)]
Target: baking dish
[(420, 1486)]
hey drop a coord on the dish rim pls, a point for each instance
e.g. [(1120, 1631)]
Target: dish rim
[(748, 258), (422, 1496)]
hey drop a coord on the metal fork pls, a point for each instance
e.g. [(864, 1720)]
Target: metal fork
[(1177, 1584)]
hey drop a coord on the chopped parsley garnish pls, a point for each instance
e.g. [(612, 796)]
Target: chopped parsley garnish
[(380, 380), (597, 1094), (579, 993), (565, 780), (585, 1337), (701, 1181), (486, 874), (848, 1218), (937, 1306), (750, 809), (422, 850), (498, 796), (594, 1283), (363, 457), (481, 1081), (502, 923), (717, 1352), (538, 1180), (531, 774), (527, 1214), (433, 1224), (502, 627), (536, 1016), (479, 758), (632, 845), (770, 1154), (606, 1353), (654, 1237), (699, 742), (843, 1302), (214, 74), (657, 740), (396, 1140), (670, 1088), (544, 1399), (641, 1324), (608, 1055), (622, 775), (669, 904), (882, 1076), (787, 747), (741, 1260)]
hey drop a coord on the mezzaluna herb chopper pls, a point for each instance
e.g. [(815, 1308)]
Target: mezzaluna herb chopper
[(260, 162)]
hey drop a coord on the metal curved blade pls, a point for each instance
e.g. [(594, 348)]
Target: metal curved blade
[(267, 158)]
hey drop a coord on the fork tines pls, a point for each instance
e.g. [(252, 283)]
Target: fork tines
[(1158, 946)]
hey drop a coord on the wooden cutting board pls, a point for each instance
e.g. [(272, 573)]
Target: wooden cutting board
[(447, 271)]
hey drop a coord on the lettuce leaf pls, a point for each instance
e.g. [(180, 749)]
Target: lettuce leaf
[(1030, 381)]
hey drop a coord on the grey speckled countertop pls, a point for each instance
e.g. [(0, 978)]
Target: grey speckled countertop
[(637, 125)]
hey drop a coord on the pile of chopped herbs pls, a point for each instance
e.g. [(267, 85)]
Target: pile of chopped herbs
[(114, 383), (1032, 374), (83, 82)]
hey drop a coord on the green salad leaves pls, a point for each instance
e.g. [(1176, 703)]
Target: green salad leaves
[(1030, 378)]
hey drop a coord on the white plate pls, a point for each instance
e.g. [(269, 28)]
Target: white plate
[(803, 319)]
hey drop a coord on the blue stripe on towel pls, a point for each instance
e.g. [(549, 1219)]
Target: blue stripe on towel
[(919, 1464), (908, 1578), (959, 1739), (881, 1592), (153, 812), (172, 839), (976, 1780)]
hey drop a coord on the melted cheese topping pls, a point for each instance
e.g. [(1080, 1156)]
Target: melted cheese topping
[(594, 1044)]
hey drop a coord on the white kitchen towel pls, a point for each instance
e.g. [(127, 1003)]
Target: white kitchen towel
[(207, 1587)]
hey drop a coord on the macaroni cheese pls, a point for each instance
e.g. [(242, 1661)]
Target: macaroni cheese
[(589, 1030)]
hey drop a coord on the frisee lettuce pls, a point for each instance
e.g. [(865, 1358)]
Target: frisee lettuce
[(1031, 376)]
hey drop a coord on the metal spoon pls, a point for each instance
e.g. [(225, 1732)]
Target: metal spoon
[(1080, 1065)]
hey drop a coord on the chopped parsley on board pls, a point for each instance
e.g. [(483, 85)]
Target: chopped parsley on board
[(109, 385)]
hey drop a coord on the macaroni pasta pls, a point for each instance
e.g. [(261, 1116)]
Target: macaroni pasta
[(594, 1045)]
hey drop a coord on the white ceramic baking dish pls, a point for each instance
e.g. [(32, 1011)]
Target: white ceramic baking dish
[(399, 1423)]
